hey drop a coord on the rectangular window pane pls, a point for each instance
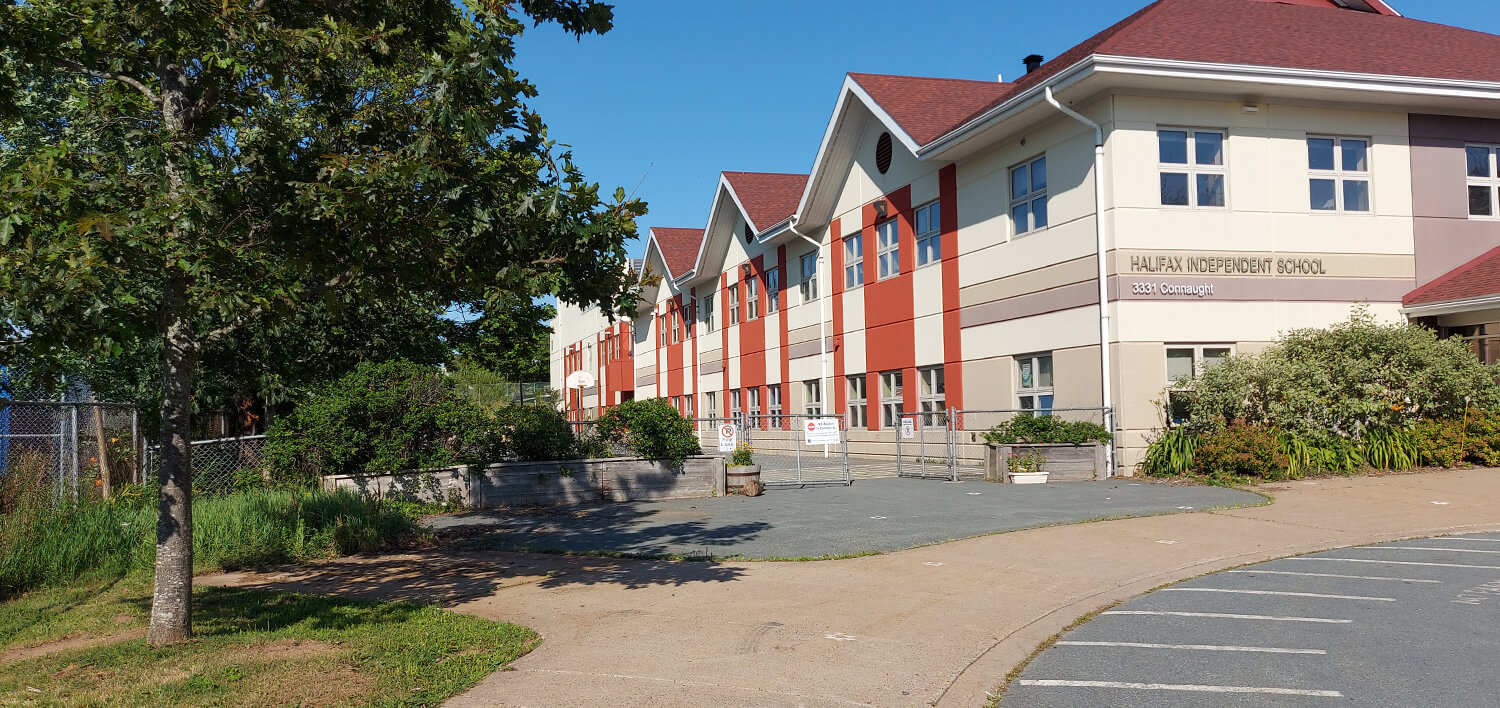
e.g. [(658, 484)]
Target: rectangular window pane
[(1322, 195), (1020, 214), (1211, 190), (1174, 189), (1356, 195), (1481, 201), (1019, 182), (1179, 364), (1028, 377), (1479, 161), (1044, 372), (1039, 175), (1213, 356), (1320, 153), (1356, 155), (1039, 213), (1173, 146), (921, 221), (1208, 148), (935, 217)]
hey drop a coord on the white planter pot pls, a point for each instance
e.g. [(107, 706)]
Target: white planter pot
[(1028, 478)]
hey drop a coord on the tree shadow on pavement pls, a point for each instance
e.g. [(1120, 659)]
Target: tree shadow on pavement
[(629, 529)]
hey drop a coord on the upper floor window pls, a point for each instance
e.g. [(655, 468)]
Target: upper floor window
[(706, 313), (752, 298), (854, 260), (929, 234), (887, 250), (1339, 174), (1028, 195), (676, 317), (773, 290), (1192, 167), (734, 303), (1484, 180), (809, 283), (661, 330), (1034, 382)]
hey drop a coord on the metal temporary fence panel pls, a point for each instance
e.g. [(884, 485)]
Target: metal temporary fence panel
[(967, 428), (786, 460), (219, 462), (922, 446), (70, 446)]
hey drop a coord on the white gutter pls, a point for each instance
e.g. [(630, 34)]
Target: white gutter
[(1101, 236), (1449, 307), (822, 317)]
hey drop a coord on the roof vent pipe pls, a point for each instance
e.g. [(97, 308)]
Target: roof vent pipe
[(1033, 62)]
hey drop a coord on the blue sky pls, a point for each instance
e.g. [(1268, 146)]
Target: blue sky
[(683, 89)]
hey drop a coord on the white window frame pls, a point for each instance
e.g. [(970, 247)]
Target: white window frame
[(1194, 169), (927, 223), (892, 385), (661, 330), (675, 315), (773, 404), (736, 413), (887, 249), (734, 303), (858, 405), (812, 397), (1198, 368), (932, 395), (1028, 198), (1339, 175), (1490, 183), (752, 409), (854, 260), (706, 313), (773, 291), (711, 403), (1035, 392), (808, 285), (752, 298), (687, 407)]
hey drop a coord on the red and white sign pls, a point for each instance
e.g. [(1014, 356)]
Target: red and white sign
[(821, 431), (729, 437)]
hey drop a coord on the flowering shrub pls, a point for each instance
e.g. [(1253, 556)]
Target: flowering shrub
[(1026, 462), (1240, 449), (742, 455)]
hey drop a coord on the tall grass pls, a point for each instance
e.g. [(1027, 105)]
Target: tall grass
[(47, 542)]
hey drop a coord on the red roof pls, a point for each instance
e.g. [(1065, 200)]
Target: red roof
[(769, 198), (1309, 34), (928, 108), (679, 248), (1477, 278)]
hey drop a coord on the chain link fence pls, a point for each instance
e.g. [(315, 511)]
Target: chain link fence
[(968, 448), (82, 450), (786, 460), (220, 465)]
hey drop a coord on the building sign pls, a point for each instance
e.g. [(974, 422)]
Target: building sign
[(1220, 264), (1198, 290), (729, 437), (821, 431)]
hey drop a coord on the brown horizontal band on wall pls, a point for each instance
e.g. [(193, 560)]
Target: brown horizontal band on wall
[(1252, 289), (647, 370), (593, 391), (806, 349), (1066, 297), (712, 367), (710, 356), (647, 380)]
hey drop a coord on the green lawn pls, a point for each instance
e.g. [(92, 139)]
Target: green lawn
[(83, 645)]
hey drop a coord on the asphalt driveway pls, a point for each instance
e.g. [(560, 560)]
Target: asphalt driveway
[(875, 515)]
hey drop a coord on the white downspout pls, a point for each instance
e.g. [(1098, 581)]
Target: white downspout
[(822, 317), (1101, 236)]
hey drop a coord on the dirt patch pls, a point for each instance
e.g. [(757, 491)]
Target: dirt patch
[(68, 644)]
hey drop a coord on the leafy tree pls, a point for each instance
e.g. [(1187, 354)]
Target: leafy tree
[(175, 171), (510, 338)]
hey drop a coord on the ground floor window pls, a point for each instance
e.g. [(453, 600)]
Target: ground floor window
[(857, 409), (890, 399), (1184, 361), (1034, 382), (931, 394), (1483, 339), (711, 403), (773, 404), (812, 397), (734, 408), (753, 395)]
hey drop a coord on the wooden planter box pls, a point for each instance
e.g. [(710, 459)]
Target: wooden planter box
[(1065, 463)]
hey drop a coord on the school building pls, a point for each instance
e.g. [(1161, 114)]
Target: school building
[(1215, 172)]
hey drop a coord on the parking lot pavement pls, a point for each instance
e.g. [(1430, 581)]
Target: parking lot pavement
[(870, 515), (1411, 623)]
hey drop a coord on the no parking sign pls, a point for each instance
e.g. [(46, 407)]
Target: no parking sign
[(729, 437)]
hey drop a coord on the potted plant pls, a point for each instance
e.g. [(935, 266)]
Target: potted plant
[(1027, 468), (743, 475)]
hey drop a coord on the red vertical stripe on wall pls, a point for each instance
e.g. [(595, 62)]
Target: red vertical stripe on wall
[(953, 355), (752, 357), (889, 308)]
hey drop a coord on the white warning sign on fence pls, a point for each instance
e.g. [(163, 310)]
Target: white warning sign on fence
[(821, 431), (908, 428), (729, 437)]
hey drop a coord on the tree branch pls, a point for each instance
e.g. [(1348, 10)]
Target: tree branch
[(259, 5), (258, 310), (128, 80)]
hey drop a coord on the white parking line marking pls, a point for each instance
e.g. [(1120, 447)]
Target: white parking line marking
[(1194, 647), (1377, 560), (1220, 615), (1335, 575), (1284, 594), (1426, 548), (1466, 538), (1181, 687)]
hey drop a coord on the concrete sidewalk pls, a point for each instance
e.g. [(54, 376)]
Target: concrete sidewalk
[(935, 625)]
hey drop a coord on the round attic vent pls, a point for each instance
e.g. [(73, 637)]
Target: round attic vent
[(749, 234), (883, 153)]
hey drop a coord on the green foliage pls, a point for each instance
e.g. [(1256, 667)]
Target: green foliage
[(1440, 443), (380, 418), (650, 428), (511, 337), (1171, 453), (1027, 428), (1345, 381), (49, 543), (1026, 462), (1240, 450), (743, 455), (535, 432)]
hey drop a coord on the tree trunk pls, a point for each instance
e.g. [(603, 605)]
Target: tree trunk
[(101, 449), (172, 603)]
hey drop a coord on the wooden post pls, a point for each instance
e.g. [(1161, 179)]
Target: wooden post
[(101, 448)]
